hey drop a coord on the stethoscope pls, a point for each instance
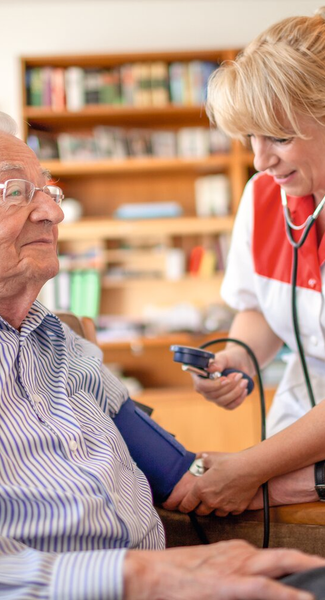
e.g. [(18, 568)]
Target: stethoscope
[(306, 227)]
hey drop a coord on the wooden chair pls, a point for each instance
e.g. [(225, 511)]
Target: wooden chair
[(83, 326), (300, 526)]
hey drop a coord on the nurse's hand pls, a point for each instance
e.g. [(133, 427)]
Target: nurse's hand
[(228, 486), (228, 392)]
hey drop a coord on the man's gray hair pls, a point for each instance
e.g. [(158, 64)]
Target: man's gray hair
[(7, 124)]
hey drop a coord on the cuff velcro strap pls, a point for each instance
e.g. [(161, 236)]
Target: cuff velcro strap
[(320, 479)]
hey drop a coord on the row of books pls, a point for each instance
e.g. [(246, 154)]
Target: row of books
[(77, 291), (137, 84), (119, 143), (169, 263)]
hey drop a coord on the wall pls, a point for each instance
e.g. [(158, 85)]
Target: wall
[(32, 27)]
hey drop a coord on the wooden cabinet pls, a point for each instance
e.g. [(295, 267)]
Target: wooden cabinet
[(102, 185)]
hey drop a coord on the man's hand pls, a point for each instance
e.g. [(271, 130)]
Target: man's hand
[(231, 570), (181, 489), (225, 487)]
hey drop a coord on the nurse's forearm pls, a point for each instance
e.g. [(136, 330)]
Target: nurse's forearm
[(295, 447), (251, 327)]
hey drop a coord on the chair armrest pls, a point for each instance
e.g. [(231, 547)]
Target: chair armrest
[(298, 526)]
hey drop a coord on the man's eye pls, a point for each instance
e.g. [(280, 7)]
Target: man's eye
[(14, 193)]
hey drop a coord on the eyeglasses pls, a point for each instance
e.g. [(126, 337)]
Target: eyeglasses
[(21, 192)]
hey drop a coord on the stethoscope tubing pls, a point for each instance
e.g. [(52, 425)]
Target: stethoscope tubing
[(295, 246)]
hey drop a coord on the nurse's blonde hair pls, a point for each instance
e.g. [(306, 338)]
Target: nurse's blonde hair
[(278, 78)]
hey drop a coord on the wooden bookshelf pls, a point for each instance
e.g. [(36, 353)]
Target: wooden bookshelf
[(102, 185)]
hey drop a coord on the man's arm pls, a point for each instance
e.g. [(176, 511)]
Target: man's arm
[(29, 573), (293, 488), (162, 459)]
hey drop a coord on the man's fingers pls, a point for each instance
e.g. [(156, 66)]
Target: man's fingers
[(203, 510), (261, 588), (279, 562), (190, 502)]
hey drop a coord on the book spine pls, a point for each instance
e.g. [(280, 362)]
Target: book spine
[(159, 83), (36, 87), (74, 88), (92, 83), (110, 88), (58, 89)]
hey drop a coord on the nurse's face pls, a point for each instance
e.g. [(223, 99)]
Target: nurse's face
[(297, 165)]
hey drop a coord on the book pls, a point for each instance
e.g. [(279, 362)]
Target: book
[(62, 290), (163, 143), (110, 87), (208, 68), (159, 83), (195, 82), (148, 210), (142, 84), (177, 82), (219, 141), (92, 83), (111, 142), (36, 87), (58, 89), (208, 263), (212, 195), (127, 83), (47, 295), (74, 88), (90, 283), (85, 292), (46, 76), (139, 142), (193, 142), (77, 147), (43, 144)]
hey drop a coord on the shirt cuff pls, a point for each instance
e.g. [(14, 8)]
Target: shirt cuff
[(88, 575)]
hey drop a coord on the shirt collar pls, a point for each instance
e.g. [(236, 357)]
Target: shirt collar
[(38, 317)]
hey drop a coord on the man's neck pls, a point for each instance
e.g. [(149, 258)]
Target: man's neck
[(14, 309)]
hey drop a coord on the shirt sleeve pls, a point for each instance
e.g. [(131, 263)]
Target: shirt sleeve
[(238, 287), (30, 574)]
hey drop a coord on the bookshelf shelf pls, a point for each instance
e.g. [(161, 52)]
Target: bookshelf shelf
[(186, 283), (108, 115), (108, 229), (137, 165)]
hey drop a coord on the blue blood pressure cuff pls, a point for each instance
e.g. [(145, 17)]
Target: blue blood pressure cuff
[(162, 459)]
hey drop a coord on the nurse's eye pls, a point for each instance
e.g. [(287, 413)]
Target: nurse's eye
[(281, 140)]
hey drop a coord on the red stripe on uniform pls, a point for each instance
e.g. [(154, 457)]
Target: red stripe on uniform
[(272, 252)]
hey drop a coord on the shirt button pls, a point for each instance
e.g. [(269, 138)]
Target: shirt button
[(73, 445), (314, 340), (312, 283), (37, 399)]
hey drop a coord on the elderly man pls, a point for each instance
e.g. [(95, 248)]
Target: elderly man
[(75, 509)]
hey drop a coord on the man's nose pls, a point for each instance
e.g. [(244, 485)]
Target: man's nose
[(264, 155), (44, 208)]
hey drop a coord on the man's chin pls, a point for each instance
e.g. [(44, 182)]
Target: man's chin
[(41, 272)]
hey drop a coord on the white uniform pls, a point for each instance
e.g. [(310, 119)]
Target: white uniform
[(258, 277)]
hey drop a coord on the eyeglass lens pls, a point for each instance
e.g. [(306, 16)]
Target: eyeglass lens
[(20, 191)]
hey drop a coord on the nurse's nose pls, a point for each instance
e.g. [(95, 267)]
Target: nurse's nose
[(265, 156)]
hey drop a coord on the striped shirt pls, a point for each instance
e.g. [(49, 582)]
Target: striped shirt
[(71, 498)]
